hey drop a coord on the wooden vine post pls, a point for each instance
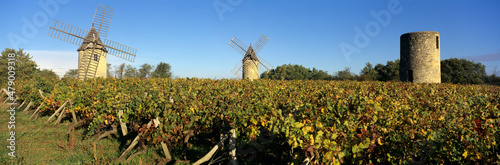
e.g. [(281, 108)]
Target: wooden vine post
[(57, 112), (7, 93), (73, 114), (61, 115), (36, 111), (232, 151), (38, 108), (21, 104), (166, 151), (14, 102), (232, 147), (132, 145), (123, 125), (27, 107), (41, 93)]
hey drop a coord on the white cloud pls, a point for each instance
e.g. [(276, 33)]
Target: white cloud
[(57, 61)]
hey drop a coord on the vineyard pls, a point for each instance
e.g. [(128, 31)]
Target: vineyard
[(324, 122)]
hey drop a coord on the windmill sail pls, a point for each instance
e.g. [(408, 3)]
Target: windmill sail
[(260, 43), (102, 19), (66, 32)]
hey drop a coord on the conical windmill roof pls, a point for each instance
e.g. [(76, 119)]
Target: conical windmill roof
[(250, 54), (89, 40)]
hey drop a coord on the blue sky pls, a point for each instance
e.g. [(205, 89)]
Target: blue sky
[(193, 36)]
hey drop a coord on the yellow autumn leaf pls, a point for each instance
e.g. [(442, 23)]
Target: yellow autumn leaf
[(465, 154), (336, 162), (263, 122), (307, 129), (295, 144), (441, 118), (106, 121)]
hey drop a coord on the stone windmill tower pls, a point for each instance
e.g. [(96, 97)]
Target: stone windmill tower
[(92, 53), (251, 59), (420, 57), (250, 65), (97, 59)]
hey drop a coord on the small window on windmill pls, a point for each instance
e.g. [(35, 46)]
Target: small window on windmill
[(95, 57), (437, 42)]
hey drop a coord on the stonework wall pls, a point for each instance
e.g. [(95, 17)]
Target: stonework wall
[(420, 57), (101, 64), (250, 69)]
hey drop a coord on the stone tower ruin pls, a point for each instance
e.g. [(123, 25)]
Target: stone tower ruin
[(420, 57)]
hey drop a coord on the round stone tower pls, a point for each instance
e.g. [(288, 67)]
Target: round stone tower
[(420, 57), (250, 69), (250, 65)]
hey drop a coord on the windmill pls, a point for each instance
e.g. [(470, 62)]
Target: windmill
[(251, 59), (92, 51)]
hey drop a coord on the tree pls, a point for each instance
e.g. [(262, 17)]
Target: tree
[(379, 68), (47, 73), (130, 71), (368, 73), (320, 75), (298, 72), (280, 73), (119, 70), (462, 71), (388, 72), (72, 73), (493, 78), (145, 71), (108, 70), (162, 71), (345, 74), (295, 72), (24, 67)]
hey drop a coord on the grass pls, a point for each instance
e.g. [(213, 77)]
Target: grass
[(40, 143)]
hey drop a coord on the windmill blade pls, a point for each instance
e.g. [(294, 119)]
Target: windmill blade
[(239, 46), (260, 43), (120, 50), (264, 63), (102, 19), (237, 68), (66, 32)]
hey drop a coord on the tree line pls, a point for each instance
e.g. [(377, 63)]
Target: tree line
[(453, 70), (162, 70), (458, 71), (26, 68)]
